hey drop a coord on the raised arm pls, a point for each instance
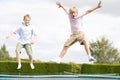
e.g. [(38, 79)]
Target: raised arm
[(61, 6), (93, 9)]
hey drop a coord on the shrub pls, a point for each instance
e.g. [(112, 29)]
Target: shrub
[(41, 68), (100, 69)]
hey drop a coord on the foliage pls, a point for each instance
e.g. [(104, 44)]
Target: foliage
[(41, 68), (4, 55), (75, 68), (100, 69), (104, 52)]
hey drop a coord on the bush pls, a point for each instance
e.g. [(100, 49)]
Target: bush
[(75, 68), (41, 68), (100, 69)]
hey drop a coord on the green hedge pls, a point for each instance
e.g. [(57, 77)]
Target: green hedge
[(100, 69), (41, 68), (49, 68)]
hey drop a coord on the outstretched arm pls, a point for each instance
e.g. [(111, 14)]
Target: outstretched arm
[(93, 9), (9, 35), (61, 6)]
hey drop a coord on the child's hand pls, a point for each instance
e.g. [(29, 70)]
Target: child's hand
[(59, 4), (7, 37), (99, 4), (32, 42), (34, 39)]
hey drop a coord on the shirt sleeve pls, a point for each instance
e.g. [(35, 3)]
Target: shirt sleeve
[(34, 31), (17, 31)]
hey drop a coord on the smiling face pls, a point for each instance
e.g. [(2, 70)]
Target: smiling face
[(73, 12), (27, 19)]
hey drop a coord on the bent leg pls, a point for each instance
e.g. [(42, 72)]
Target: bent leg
[(28, 49), (86, 46), (67, 44), (18, 57), (63, 52), (18, 50), (87, 49)]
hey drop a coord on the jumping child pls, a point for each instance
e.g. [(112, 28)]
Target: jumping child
[(77, 31), (27, 36)]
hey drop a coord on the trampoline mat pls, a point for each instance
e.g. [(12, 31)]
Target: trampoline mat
[(59, 77)]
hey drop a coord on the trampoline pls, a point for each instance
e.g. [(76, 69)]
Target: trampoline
[(59, 77)]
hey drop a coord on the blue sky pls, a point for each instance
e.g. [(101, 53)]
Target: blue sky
[(53, 26)]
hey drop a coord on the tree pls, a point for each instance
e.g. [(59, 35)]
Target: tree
[(4, 55), (104, 52)]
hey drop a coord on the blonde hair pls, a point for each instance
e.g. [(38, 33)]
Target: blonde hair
[(73, 9), (27, 15)]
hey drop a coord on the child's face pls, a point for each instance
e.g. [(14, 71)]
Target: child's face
[(74, 14), (27, 21)]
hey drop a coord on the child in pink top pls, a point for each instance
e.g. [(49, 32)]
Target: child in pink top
[(77, 31)]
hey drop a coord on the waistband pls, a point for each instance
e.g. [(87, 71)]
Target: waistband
[(77, 32)]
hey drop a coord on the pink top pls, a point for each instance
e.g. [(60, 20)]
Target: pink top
[(76, 23)]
